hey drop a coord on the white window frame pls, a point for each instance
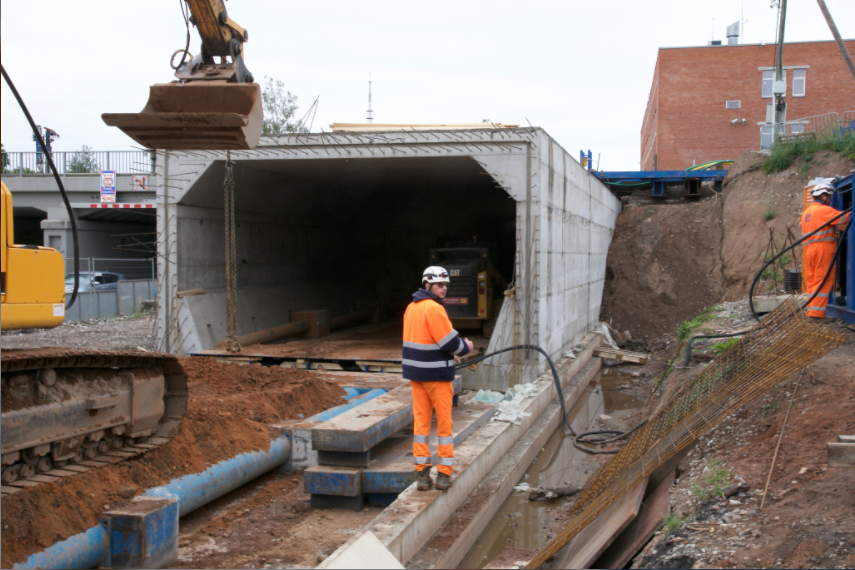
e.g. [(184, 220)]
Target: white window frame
[(797, 80), (766, 131), (768, 78)]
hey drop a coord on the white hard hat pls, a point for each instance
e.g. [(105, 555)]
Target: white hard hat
[(435, 274), (821, 189)]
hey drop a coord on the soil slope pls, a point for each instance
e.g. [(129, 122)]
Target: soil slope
[(669, 260)]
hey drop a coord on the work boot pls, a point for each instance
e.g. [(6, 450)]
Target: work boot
[(424, 482), (443, 482)]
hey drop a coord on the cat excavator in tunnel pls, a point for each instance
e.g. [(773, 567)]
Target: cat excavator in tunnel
[(212, 105)]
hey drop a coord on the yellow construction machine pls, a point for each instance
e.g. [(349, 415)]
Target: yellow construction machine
[(212, 105), (66, 407)]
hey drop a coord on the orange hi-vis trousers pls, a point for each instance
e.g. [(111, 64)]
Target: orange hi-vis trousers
[(818, 258), (429, 396)]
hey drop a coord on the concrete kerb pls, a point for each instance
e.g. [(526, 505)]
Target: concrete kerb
[(466, 525), (409, 523)]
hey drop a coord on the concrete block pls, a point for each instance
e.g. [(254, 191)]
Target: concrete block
[(361, 428), (143, 534), (364, 552), (841, 454), (333, 480), (337, 502), (319, 322)]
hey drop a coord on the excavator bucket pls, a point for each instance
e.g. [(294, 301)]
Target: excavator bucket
[(199, 115)]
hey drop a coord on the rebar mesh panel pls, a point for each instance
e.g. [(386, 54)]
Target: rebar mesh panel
[(783, 343)]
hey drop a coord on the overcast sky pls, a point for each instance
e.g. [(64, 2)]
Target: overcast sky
[(581, 70)]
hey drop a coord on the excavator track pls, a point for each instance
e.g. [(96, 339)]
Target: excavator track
[(66, 411)]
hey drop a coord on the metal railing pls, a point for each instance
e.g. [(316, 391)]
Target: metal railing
[(79, 162), (127, 269)]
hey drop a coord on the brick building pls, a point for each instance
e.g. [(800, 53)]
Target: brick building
[(709, 103)]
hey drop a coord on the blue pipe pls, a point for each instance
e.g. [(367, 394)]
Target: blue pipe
[(197, 489), (89, 549), (85, 550), (333, 412)]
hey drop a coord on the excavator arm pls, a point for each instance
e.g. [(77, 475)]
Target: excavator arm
[(212, 106)]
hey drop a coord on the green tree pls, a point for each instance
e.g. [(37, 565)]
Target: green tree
[(83, 161), (279, 108), (4, 158)]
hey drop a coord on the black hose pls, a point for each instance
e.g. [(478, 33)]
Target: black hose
[(58, 182), (785, 250), (692, 339), (565, 424)]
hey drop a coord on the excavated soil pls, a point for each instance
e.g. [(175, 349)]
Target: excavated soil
[(667, 261), (229, 411)]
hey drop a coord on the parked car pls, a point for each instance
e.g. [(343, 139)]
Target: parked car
[(94, 281)]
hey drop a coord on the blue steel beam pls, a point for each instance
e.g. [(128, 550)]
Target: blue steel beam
[(660, 175)]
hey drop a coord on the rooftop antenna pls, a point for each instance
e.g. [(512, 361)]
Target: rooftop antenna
[(370, 111)]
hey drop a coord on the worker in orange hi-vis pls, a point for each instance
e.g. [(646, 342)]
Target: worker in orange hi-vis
[(819, 248), (431, 347)]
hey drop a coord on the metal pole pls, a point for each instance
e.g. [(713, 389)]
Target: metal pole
[(843, 51), (780, 105)]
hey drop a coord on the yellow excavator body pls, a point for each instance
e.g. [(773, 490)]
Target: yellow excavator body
[(33, 288)]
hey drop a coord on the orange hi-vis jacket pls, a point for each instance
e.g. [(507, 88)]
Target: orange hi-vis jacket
[(430, 342), (819, 253)]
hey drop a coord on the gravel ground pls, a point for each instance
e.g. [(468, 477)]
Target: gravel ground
[(116, 334)]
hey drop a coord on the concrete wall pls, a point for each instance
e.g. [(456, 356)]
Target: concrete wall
[(344, 221)]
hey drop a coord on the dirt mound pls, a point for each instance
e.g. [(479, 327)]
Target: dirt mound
[(667, 261), (228, 413)]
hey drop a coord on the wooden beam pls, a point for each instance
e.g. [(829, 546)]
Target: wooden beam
[(623, 355)]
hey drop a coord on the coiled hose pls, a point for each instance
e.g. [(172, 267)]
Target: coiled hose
[(583, 438)]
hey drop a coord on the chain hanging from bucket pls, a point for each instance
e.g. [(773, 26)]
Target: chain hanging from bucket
[(231, 256)]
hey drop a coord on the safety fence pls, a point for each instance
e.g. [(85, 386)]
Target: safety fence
[(79, 162), (783, 343), (127, 299), (119, 269), (821, 126)]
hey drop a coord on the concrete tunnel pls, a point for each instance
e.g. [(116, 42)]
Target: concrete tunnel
[(344, 222)]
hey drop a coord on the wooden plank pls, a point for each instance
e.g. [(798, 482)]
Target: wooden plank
[(191, 292), (60, 473), (9, 490), (622, 355), (589, 544), (159, 440), (77, 468), (23, 484), (655, 506), (841, 454)]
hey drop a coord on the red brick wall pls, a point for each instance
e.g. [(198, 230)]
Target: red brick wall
[(686, 120)]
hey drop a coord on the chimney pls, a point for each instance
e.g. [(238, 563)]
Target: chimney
[(733, 34)]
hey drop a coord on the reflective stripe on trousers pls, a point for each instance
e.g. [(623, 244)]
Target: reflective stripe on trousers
[(427, 397)]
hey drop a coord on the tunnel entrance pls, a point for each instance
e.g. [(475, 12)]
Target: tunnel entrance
[(341, 235)]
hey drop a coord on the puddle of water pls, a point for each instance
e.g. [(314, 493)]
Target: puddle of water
[(520, 523), (613, 398)]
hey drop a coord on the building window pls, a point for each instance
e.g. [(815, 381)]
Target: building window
[(733, 104), (799, 80), (768, 80), (766, 137)]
